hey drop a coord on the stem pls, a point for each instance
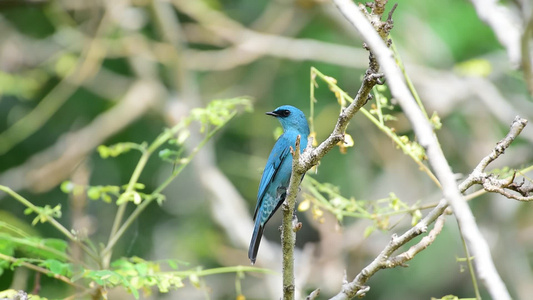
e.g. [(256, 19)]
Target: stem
[(114, 236), (408, 80), (122, 208), (322, 201), (38, 245), (381, 126), (157, 143), (470, 266), (378, 105), (51, 220), (40, 269)]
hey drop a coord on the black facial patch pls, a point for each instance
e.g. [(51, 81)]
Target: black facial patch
[(283, 112)]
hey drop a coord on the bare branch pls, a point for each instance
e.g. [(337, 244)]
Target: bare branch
[(492, 184), (314, 294), (489, 186), (480, 249), (401, 259), (516, 127), (357, 287)]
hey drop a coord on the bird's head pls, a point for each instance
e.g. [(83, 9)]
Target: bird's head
[(291, 118)]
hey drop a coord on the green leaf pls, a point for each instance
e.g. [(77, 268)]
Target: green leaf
[(94, 193), (106, 198), (183, 136), (43, 213), (435, 121), (59, 245), (159, 198), (67, 187), (169, 155), (137, 198), (6, 248), (416, 217), (172, 263), (368, 231), (118, 149), (57, 267)]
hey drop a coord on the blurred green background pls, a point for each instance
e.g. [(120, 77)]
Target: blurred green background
[(75, 74)]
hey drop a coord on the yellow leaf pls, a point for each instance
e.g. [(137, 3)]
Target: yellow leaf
[(304, 205), (348, 142)]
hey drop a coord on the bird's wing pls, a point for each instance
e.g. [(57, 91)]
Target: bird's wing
[(279, 153)]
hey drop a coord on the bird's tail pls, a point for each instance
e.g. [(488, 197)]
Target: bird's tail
[(256, 240)]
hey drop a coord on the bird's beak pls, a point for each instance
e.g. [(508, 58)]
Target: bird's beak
[(271, 113)]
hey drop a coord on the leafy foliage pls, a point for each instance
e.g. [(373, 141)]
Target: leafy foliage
[(43, 213), (326, 196), (51, 256)]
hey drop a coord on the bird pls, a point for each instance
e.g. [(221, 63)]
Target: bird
[(277, 173)]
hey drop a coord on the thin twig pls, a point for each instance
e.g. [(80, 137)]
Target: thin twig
[(357, 286), (401, 259), (470, 266)]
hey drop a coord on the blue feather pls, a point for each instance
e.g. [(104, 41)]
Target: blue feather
[(277, 172)]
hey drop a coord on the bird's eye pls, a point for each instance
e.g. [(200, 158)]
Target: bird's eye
[(285, 113)]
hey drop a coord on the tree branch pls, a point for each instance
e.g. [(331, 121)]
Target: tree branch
[(401, 259), (480, 249), (357, 288), (289, 227), (310, 157), (492, 184)]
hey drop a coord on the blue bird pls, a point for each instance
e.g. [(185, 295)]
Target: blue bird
[(277, 173)]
